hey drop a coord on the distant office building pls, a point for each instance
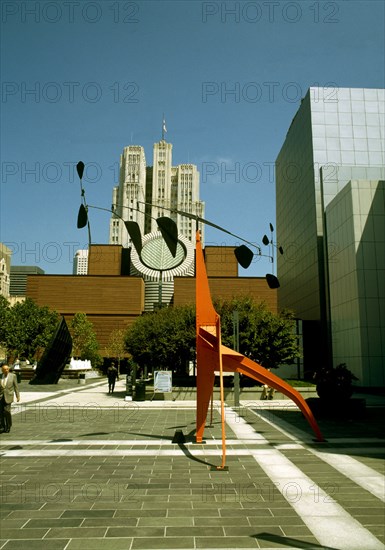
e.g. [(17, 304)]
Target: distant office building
[(80, 263), (5, 269), (330, 221), (129, 197), (146, 193), (19, 276)]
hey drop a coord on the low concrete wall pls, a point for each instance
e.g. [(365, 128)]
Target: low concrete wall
[(246, 394)]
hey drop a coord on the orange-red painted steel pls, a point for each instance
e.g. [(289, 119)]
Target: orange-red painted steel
[(213, 356)]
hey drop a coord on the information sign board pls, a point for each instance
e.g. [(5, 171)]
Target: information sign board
[(162, 381)]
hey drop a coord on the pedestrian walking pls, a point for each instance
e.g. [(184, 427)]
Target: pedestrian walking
[(112, 373), (8, 388)]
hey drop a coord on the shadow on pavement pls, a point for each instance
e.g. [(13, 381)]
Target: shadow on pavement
[(288, 542)]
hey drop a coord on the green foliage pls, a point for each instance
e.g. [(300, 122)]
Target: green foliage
[(4, 312), (264, 337), (163, 339), (334, 383), (116, 345), (26, 328), (299, 383), (84, 341)]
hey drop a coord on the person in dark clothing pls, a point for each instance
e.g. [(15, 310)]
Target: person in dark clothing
[(112, 374)]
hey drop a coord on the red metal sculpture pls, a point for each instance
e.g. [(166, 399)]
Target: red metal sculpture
[(213, 356)]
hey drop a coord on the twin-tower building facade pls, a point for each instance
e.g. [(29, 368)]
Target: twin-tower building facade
[(144, 194)]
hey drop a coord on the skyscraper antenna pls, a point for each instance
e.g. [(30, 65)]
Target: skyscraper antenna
[(164, 129)]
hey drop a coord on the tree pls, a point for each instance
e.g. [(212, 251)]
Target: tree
[(26, 328), (84, 341), (163, 339), (116, 345), (265, 337), (4, 312), (166, 338)]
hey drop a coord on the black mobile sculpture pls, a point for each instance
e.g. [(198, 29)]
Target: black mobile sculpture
[(169, 231)]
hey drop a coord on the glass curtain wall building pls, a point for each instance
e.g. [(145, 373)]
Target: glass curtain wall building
[(330, 220)]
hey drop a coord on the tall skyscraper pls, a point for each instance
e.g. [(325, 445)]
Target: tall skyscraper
[(329, 174), (144, 194), (129, 196)]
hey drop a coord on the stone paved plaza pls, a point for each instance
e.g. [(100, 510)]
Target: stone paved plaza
[(82, 469)]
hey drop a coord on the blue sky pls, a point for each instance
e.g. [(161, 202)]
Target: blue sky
[(82, 79)]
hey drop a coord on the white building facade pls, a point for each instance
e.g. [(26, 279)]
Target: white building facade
[(129, 196), (80, 263), (145, 194), (5, 270)]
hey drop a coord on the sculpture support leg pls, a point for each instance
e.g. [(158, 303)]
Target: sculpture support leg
[(205, 386)]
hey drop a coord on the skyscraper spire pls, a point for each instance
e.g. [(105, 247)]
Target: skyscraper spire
[(164, 129)]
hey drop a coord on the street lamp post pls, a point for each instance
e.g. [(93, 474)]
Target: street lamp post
[(236, 348)]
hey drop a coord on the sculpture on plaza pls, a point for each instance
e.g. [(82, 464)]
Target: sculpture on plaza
[(213, 356), (55, 357)]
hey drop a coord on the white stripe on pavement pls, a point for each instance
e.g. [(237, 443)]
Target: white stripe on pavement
[(328, 521), (365, 477), (362, 475)]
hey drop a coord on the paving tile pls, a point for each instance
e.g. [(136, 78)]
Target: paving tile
[(23, 533), (166, 543), (163, 505), (25, 506), (374, 512), (99, 544), (13, 524), (143, 501), (166, 522), (272, 521), (49, 523), (88, 514), (369, 520), (229, 503), (27, 514), (143, 531), (187, 512), (242, 512), (219, 521), (269, 541), (141, 513), (227, 542), (75, 532), (33, 544), (109, 522)]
